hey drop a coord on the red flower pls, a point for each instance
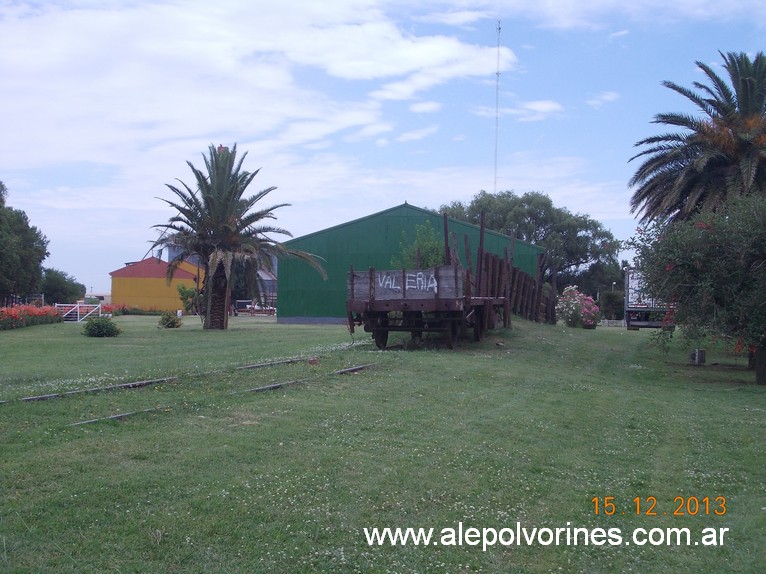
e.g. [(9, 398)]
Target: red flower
[(24, 315)]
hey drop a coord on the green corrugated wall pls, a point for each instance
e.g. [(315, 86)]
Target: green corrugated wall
[(371, 241)]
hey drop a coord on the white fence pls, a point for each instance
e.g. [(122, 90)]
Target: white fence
[(78, 311)]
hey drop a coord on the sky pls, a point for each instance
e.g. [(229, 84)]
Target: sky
[(347, 107)]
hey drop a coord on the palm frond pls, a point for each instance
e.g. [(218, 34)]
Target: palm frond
[(218, 222), (721, 154)]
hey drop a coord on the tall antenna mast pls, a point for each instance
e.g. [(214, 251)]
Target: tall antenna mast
[(497, 100)]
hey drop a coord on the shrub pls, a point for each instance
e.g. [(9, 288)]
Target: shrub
[(100, 327), (191, 300), (169, 320), (426, 251), (577, 309), (137, 311)]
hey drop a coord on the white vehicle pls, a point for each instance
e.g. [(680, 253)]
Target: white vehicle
[(253, 308), (258, 309)]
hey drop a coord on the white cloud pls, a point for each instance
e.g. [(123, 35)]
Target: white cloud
[(457, 18), (593, 14), (425, 107), (603, 98), (444, 59), (537, 110), (415, 135), (102, 103), (369, 131), (566, 179), (531, 111)]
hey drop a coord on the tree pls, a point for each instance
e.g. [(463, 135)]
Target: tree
[(24, 248), (720, 155), (575, 244), (713, 268), (219, 224), (496, 208), (59, 287), (427, 250)]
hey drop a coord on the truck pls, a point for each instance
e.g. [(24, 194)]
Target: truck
[(641, 309)]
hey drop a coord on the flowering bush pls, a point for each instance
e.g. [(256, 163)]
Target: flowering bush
[(577, 309), (112, 309), (27, 315)]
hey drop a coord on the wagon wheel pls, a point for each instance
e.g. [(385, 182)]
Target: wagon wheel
[(380, 331)]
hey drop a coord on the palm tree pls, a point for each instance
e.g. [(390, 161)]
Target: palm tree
[(711, 158), (217, 225)]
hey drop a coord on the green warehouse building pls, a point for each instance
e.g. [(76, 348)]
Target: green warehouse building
[(371, 241)]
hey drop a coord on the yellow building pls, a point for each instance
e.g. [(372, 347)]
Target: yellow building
[(143, 284)]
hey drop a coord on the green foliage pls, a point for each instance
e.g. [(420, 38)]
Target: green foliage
[(219, 224), (169, 320), (24, 248), (427, 250), (612, 304), (596, 278), (59, 287), (123, 310), (190, 299), (661, 339), (713, 268), (577, 246), (100, 327)]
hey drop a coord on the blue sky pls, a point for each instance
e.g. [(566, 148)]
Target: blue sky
[(347, 106)]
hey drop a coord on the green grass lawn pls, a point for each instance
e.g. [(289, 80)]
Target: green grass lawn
[(525, 427)]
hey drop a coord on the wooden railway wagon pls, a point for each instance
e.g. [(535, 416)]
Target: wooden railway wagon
[(438, 299), (449, 299)]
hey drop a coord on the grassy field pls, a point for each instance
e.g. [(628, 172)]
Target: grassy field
[(527, 427)]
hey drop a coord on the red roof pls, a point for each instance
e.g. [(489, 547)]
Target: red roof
[(151, 268)]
